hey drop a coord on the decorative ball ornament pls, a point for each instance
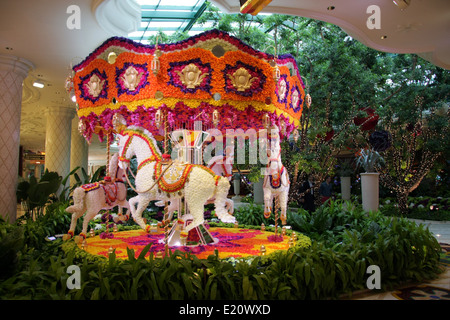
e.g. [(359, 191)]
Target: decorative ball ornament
[(81, 127), (112, 56), (155, 65), (158, 118), (276, 73), (263, 250), (266, 121), (308, 100), (291, 242), (295, 135), (215, 117), (283, 128)]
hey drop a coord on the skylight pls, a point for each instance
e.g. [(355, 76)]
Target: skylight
[(169, 16)]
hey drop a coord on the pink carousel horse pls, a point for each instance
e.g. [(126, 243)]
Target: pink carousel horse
[(105, 195)]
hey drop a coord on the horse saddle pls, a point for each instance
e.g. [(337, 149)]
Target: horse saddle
[(276, 177), (110, 189), (173, 178)]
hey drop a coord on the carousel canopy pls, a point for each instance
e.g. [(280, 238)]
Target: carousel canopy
[(212, 77)]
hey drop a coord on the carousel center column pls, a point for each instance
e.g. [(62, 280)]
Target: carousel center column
[(58, 139), (13, 70)]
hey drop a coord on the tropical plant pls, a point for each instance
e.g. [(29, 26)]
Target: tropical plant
[(36, 194), (369, 159)]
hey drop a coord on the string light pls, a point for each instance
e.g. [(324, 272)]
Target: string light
[(409, 160)]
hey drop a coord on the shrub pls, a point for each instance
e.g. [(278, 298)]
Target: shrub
[(345, 241)]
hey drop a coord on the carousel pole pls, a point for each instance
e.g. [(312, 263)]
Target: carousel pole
[(108, 149), (166, 204), (276, 216)]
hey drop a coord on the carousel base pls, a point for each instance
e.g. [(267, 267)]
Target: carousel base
[(229, 242)]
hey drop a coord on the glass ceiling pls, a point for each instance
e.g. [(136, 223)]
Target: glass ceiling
[(168, 16), (171, 16)]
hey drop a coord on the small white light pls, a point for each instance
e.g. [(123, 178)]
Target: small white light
[(402, 4), (74, 98), (38, 84)]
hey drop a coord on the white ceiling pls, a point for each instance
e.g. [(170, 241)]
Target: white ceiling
[(37, 31), (422, 28)]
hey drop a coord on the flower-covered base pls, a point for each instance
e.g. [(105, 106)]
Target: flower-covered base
[(232, 242)]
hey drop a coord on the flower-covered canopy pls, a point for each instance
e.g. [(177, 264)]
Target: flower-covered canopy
[(212, 77)]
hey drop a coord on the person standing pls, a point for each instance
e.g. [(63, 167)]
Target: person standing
[(307, 190), (326, 189)]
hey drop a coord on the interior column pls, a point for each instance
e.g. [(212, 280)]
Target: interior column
[(13, 70), (58, 136)]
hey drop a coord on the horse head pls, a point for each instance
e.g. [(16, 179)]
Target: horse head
[(115, 171), (123, 156), (139, 142)]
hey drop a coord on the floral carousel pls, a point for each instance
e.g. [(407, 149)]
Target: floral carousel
[(166, 105)]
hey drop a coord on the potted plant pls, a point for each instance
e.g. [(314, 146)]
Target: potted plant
[(369, 160)]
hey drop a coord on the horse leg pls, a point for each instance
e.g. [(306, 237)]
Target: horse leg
[(229, 204), (268, 200), (90, 214), (220, 201), (142, 203), (122, 204), (197, 211), (73, 224), (77, 209), (282, 200)]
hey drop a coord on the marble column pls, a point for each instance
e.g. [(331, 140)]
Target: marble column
[(79, 150), (13, 70), (58, 136)]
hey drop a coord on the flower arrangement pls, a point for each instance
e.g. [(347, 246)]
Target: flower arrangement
[(192, 83)]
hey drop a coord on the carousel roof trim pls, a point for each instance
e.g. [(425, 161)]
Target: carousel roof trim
[(139, 48)]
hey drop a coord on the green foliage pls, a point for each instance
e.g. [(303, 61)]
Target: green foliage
[(37, 194), (252, 214), (345, 241)]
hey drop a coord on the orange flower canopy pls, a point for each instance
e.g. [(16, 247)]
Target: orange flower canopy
[(213, 77)]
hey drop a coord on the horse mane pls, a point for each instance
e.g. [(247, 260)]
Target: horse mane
[(146, 135)]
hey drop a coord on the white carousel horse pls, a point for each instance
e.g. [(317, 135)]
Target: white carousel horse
[(157, 180), (276, 181), (93, 197), (221, 165)]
